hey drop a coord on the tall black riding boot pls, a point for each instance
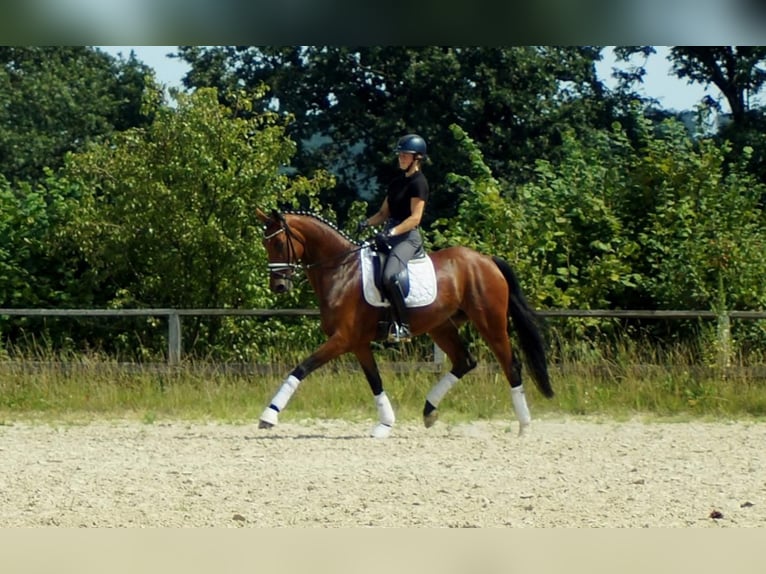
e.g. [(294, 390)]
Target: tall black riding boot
[(400, 330)]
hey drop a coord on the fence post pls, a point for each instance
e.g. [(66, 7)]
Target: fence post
[(438, 355), (724, 340), (724, 328), (174, 338)]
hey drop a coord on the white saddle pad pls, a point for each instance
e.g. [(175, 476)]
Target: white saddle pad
[(422, 281)]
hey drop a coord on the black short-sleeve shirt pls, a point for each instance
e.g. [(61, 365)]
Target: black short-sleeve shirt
[(401, 190)]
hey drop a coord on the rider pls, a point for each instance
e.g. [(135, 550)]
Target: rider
[(400, 214)]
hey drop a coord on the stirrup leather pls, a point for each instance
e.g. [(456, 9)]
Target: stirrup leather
[(399, 333)]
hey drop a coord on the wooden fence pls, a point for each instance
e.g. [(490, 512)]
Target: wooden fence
[(175, 336)]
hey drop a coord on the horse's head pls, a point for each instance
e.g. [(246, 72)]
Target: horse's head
[(284, 248)]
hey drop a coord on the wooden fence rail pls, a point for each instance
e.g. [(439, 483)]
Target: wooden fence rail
[(175, 337)]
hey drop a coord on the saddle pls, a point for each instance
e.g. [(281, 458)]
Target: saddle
[(422, 276)]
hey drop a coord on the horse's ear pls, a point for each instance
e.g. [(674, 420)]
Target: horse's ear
[(261, 215)]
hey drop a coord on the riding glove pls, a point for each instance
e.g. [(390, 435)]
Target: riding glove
[(381, 242), (362, 225)]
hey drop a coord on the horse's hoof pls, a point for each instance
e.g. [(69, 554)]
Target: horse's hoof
[(525, 429), (269, 418), (430, 418), (381, 431)]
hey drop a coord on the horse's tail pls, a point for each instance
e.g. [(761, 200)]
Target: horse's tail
[(525, 322)]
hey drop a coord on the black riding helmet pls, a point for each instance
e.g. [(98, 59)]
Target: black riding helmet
[(411, 143)]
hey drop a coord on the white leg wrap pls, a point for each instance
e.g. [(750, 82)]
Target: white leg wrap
[(270, 415), (385, 411), (269, 418), (385, 415), (436, 394), (520, 406), (285, 392)]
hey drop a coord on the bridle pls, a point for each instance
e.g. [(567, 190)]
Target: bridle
[(286, 269)]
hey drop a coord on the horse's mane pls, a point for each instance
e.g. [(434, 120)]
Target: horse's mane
[(327, 222)]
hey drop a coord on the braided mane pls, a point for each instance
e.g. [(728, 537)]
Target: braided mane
[(327, 222)]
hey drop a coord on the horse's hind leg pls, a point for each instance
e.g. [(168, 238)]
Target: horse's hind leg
[(386, 416), (494, 329), (448, 338)]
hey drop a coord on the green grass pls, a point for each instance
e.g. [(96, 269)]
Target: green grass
[(618, 388)]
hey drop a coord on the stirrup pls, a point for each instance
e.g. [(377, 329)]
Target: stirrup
[(399, 333)]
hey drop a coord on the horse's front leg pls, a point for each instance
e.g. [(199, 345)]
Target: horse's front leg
[(386, 416), (332, 348)]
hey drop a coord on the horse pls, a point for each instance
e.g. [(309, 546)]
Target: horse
[(470, 286)]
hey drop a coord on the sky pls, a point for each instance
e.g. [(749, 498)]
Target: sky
[(169, 70), (660, 83), (671, 92)]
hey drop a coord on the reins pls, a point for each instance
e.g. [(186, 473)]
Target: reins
[(282, 269)]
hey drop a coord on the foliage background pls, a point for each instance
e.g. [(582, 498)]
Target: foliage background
[(113, 194)]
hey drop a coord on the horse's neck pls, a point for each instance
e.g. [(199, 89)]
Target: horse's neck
[(322, 243), (326, 254)]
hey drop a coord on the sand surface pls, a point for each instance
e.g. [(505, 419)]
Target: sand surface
[(567, 473)]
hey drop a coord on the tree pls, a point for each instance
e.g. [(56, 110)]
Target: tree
[(702, 232), (351, 104), (169, 220), (666, 225), (739, 72), (561, 231), (37, 263), (55, 99)]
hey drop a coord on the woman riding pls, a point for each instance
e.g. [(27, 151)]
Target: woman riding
[(401, 214)]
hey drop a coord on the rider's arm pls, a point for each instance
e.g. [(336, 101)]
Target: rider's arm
[(417, 206), (381, 215)]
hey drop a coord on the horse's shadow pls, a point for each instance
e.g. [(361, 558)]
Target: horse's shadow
[(313, 436)]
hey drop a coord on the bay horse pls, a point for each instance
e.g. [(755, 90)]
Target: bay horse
[(470, 287)]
